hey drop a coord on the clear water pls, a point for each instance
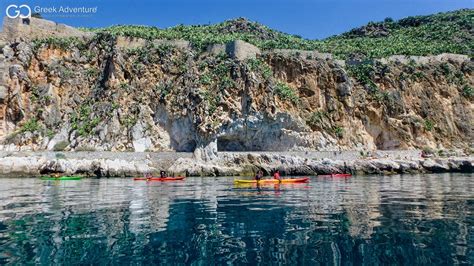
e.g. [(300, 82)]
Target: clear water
[(419, 219)]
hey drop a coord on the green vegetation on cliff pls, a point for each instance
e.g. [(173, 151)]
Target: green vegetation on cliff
[(285, 92), (449, 32)]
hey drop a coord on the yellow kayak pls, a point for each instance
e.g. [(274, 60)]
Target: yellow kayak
[(272, 181)]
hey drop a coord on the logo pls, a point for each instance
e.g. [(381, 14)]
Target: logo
[(14, 11)]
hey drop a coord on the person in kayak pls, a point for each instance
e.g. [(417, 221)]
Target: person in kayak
[(162, 174), (277, 176), (259, 175)]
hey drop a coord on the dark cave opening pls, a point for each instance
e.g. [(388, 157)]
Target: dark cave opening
[(227, 143), (189, 146)]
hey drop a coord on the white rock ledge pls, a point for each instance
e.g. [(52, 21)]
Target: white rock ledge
[(226, 164)]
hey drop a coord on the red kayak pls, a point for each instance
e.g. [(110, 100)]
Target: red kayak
[(336, 175), (162, 179)]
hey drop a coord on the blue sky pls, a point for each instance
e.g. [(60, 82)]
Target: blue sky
[(312, 19)]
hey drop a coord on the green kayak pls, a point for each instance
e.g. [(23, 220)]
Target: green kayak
[(61, 178)]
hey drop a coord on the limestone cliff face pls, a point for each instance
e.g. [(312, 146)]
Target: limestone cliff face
[(107, 93)]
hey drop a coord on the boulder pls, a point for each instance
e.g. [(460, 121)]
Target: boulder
[(241, 50), (206, 150), (60, 141), (129, 42), (408, 166), (461, 165), (344, 89), (386, 165), (437, 166), (8, 52), (215, 49), (303, 54), (18, 72), (180, 44), (25, 53), (142, 144)]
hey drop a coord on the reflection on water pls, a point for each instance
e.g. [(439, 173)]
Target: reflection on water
[(422, 219)]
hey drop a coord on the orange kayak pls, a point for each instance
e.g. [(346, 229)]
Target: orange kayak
[(273, 181), (162, 179)]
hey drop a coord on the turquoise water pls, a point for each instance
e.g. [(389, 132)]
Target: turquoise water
[(413, 219)]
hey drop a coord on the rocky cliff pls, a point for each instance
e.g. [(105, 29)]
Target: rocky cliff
[(108, 92)]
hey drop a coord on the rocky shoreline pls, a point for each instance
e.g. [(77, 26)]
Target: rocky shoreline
[(100, 164)]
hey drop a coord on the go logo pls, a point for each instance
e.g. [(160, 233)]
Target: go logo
[(14, 11)]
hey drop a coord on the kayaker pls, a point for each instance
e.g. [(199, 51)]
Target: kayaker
[(259, 175), (162, 174), (277, 176)]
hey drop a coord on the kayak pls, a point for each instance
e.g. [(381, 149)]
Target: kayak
[(336, 175), (162, 179), (273, 181), (269, 185), (61, 178)]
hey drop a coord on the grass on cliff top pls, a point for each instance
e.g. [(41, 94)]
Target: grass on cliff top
[(449, 32)]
